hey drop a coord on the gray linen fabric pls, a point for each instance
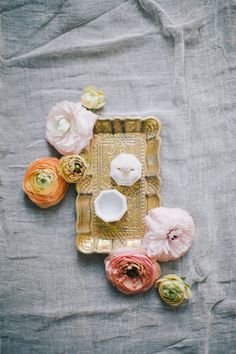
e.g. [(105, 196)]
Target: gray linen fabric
[(172, 59)]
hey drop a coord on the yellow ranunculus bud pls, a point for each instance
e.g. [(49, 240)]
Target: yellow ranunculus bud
[(92, 98), (172, 289), (72, 167)]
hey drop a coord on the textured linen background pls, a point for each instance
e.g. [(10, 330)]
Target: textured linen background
[(173, 59)]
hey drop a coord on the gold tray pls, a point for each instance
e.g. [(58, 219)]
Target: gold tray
[(111, 137)]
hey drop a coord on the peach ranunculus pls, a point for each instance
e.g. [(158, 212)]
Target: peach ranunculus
[(42, 183), (131, 271), (69, 127), (170, 232)]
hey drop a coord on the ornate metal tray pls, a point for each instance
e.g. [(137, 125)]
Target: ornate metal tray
[(111, 137)]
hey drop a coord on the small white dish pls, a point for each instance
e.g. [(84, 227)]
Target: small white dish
[(110, 205), (125, 169)]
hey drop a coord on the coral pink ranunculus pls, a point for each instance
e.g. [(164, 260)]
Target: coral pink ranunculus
[(169, 234), (69, 127), (130, 270)]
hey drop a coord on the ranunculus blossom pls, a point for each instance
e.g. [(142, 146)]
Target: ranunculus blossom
[(69, 127), (42, 183), (169, 234), (173, 290), (92, 98), (130, 270), (72, 167)]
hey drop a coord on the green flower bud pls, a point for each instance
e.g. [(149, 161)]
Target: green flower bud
[(172, 289)]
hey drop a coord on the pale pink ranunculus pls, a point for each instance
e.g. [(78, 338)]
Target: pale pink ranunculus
[(131, 271), (69, 127), (169, 234)]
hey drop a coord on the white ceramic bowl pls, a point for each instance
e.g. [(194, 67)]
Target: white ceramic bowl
[(110, 205)]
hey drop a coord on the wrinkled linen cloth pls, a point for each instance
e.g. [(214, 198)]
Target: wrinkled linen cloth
[(172, 59)]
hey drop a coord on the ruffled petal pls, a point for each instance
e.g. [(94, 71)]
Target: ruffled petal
[(170, 232)]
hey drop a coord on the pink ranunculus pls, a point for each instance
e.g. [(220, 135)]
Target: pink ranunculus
[(69, 127), (169, 234), (131, 271)]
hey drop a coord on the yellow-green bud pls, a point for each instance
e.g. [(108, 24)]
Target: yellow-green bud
[(172, 289)]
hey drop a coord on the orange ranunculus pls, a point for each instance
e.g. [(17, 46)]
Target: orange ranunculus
[(42, 183)]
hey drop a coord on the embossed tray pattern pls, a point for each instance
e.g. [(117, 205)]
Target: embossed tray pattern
[(111, 137)]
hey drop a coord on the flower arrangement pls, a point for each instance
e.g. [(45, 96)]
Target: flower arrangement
[(69, 129), (169, 231)]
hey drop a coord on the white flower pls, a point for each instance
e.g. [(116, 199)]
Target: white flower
[(92, 98), (169, 235), (69, 127)]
